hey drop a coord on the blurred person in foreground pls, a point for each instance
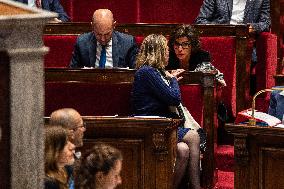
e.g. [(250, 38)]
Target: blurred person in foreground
[(99, 168), (59, 158)]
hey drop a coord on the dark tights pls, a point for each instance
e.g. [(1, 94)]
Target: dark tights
[(188, 160)]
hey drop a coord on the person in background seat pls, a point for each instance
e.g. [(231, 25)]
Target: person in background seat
[(104, 47), (50, 5), (70, 119), (185, 53)]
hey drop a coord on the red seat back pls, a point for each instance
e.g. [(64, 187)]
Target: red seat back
[(90, 99), (223, 57), (60, 50)]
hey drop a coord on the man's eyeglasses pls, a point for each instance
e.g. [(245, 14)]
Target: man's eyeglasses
[(79, 126), (184, 45)]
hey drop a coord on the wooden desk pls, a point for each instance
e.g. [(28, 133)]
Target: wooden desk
[(259, 156), (148, 147)]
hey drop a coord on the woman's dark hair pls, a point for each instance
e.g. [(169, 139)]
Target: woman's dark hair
[(185, 31), (101, 158)]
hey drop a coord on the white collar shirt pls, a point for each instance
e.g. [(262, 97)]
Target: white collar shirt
[(109, 60)]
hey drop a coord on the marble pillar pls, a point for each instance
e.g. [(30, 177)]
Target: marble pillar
[(22, 95)]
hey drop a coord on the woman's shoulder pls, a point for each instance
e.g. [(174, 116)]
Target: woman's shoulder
[(146, 69)]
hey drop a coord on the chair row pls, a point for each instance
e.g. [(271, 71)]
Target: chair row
[(136, 11), (227, 44), (96, 92)]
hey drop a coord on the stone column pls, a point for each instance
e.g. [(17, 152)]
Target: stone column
[(21, 95)]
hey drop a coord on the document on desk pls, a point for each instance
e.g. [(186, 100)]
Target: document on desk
[(270, 120)]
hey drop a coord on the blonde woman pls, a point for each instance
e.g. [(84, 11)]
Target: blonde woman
[(154, 91)]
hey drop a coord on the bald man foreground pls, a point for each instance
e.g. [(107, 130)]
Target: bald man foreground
[(71, 120), (104, 47)]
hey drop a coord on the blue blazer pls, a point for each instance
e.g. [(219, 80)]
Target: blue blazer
[(257, 13), (124, 51), (53, 6), (276, 106)]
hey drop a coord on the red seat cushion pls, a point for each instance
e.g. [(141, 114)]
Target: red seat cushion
[(124, 11), (266, 46), (223, 57), (60, 50), (168, 11), (192, 98)]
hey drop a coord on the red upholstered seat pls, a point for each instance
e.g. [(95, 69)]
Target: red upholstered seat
[(68, 7), (92, 99), (101, 99), (168, 11), (192, 99), (124, 11), (223, 57), (60, 50), (266, 46)]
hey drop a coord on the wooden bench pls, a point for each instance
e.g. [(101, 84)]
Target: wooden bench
[(148, 147), (96, 92)]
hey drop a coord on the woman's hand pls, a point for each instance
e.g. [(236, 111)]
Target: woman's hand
[(176, 73)]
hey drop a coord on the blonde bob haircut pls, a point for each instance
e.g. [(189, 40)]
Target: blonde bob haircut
[(153, 52)]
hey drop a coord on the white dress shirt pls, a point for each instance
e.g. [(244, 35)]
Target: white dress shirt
[(238, 11), (109, 61)]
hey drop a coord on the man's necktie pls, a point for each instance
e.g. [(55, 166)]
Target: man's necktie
[(102, 62), (38, 3)]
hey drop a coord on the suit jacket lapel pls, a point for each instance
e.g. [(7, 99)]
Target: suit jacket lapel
[(115, 50), (93, 51)]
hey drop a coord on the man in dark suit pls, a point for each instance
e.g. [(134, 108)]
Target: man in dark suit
[(104, 47), (256, 13), (50, 5)]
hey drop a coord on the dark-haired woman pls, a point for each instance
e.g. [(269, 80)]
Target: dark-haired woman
[(185, 52)]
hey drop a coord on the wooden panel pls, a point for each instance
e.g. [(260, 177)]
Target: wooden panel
[(271, 166), (133, 159), (279, 80), (6, 9), (148, 146), (259, 155)]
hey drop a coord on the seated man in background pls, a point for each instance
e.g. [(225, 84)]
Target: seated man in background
[(276, 106), (104, 47), (71, 120), (50, 5), (256, 13)]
